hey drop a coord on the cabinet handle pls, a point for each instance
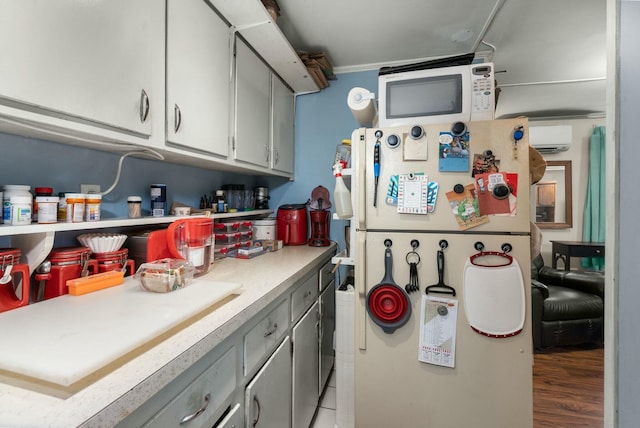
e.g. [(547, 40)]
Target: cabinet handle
[(198, 412), (177, 118), (266, 148), (144, 106), (255, 421), (272, 330), (276, 158)]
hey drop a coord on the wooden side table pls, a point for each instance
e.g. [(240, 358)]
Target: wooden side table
[(564, 250)]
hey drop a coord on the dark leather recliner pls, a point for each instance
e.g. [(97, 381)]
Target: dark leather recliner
[(567, 306)]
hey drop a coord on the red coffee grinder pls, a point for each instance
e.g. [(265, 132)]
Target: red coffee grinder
[(320, 215)]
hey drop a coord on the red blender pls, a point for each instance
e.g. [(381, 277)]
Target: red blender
[(320, 216)]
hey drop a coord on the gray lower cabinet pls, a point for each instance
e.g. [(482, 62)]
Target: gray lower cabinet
[(199, 403), (305, 368), (268, 395)]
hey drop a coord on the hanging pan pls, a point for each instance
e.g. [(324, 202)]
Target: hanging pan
[(388, 304), (494, 294)]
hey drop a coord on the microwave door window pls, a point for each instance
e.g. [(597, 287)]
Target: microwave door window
[(430, 96)]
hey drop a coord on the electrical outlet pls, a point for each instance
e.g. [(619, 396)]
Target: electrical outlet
[(89, 188)]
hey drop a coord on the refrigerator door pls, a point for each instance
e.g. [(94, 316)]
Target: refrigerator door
[(401, 154), (490, 384)]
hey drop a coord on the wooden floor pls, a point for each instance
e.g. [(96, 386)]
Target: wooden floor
[(568, 388)]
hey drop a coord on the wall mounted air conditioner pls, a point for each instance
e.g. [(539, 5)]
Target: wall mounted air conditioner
[(550, 139)]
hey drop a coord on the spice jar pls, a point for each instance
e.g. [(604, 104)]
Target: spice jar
[(135, 206)]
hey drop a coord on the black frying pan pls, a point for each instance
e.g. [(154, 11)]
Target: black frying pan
[(388, 304)]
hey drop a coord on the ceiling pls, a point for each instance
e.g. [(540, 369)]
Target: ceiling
[(550, 54)]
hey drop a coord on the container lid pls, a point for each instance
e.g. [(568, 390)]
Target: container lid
[(67, 254), (15, 252), (74, 195), (346, 141), (47, 190), (134, 199), (93, 196), (265, 222), (40, 199), (21, 199), (16, 187), (111, 255)]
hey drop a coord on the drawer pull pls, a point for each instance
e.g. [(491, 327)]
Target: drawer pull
[(271, 330), (198, 412), (255, 421)]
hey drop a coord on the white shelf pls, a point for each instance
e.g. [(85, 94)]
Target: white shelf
[(343, 259), (8, 230), (253, 22), (36, 240)]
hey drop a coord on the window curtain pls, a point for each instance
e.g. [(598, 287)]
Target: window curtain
[(594, 220)]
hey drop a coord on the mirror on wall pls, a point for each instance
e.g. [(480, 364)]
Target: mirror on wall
[(553, 197)]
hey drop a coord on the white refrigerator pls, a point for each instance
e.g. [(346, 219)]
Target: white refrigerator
[(449, 214)]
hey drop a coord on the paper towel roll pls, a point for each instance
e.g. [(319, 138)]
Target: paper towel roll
[(362, 105)]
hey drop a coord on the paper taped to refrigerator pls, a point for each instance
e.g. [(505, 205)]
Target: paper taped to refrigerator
[(438, 319)]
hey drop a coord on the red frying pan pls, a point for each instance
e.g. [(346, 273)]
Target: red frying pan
[(388, 304)]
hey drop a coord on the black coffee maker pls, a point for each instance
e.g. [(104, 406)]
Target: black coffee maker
[(320, 217), (261, 195)]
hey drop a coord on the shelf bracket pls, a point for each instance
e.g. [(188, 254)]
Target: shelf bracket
[(35, 247)]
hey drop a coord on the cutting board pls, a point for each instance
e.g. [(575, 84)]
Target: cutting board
[(65, 339)]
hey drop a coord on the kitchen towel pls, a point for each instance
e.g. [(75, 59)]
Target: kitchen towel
[(362, 105)]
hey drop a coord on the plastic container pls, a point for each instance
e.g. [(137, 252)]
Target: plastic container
[(62, 207), (135, 206), (21, 210), (226, 227), (92, 207), (75, 207), (343, 153), (47, 209), (99, 281), (227, 238), (165, 275), (9, 190), (40, 191), (264, 229)]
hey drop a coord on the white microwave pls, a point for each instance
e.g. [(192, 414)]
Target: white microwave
[(461, 93)]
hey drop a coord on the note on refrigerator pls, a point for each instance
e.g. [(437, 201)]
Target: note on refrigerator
[(438, 319)]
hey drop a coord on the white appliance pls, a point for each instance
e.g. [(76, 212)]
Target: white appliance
[(423, 366), (551, 139), (427, 95)]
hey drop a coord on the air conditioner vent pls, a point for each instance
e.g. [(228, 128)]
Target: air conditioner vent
[(551, 139)]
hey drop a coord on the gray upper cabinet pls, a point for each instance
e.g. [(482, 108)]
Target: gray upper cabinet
[(252, 107), (87, 61), (282, 127), (198, 77)]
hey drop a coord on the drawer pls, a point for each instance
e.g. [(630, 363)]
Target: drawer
[(206, 394), (304, 296), (263, 338), (326, 275)]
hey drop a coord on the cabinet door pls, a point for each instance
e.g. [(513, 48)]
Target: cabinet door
[(327, 329), (86, 60), (305, 368), (268, 395), (198, 77), (282, 128), (252, 104)]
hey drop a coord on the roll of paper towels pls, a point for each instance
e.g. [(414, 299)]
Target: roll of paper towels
[(362, 105)]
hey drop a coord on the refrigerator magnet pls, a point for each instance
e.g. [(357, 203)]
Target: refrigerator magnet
[(412, 194), (453, 152)]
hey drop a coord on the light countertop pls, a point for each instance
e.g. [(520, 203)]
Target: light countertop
[(108, 396)]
